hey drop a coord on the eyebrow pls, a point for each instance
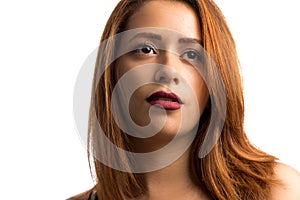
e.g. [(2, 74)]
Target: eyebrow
[(146, 35), (189, 40), (155, 36)]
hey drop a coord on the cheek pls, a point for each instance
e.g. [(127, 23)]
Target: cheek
[(203, 97), (138, 108), (121, 67), (199, 87), (124, 64), (135, 75)]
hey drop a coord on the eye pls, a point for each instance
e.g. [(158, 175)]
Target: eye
[(191, 55), (145, 49)]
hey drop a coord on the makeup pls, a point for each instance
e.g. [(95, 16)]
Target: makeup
[(165, 100)]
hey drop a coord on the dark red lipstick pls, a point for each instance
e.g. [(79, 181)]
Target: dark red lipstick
[(168, 101)]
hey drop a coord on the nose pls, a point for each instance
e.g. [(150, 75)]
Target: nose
[(166, 73)]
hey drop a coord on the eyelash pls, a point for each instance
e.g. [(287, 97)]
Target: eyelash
[(195, 52), (153, 50), (139, 49)]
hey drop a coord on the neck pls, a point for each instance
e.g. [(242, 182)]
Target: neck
[(172, 175), (172, 182)]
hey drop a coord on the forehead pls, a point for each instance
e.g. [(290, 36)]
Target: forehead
[(173, 15), (157, 34)]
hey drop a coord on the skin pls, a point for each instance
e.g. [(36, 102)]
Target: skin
[(173, 181), (179, 75), (290, 188)]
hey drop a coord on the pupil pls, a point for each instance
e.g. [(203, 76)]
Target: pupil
[(146, 49), (191, 55)]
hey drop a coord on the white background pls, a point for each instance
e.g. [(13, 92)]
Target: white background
[(42, 47)]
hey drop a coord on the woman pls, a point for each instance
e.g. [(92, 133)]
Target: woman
[(186, 89)]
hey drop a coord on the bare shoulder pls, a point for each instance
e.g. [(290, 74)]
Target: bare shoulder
[(290, 179)]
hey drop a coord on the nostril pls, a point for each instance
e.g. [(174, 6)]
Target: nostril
[(166, 75), (176, 80), (163, 79)]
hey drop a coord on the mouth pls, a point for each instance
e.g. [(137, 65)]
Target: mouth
[(168, 101)]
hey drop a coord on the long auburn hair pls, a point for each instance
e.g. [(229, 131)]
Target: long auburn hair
[(234, 169)]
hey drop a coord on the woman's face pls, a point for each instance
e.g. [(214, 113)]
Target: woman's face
[(174, 83)]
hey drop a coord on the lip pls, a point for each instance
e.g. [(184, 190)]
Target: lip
[(165, 100)]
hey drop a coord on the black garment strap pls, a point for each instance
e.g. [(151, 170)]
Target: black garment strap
[(93, 195)]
